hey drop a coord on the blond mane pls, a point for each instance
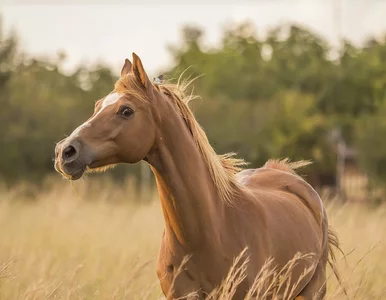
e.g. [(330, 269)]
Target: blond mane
[(222, 168), (286, 165)]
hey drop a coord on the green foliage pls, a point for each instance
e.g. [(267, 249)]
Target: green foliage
[(7, 54), (280, 96), (370, 143)]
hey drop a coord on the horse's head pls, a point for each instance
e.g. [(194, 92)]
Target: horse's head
[(121, 129)]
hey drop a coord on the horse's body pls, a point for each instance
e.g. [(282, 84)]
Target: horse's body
[(212, 211), (278, 216)]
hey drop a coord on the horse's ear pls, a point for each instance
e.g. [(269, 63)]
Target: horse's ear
[(139, 71), (126, 68)]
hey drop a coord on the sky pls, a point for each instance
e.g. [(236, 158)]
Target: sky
[(109, 31)]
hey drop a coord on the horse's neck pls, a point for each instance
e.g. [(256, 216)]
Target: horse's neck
[(191, 206)]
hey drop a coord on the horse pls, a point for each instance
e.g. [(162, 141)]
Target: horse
[(213, 207)]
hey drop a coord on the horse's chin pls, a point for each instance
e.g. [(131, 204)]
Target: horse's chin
[(96, 168), (75, 175)]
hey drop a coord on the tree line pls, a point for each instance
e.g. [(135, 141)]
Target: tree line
[(285, 95)]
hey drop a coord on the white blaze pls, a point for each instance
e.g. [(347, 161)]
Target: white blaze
[(109, 100)]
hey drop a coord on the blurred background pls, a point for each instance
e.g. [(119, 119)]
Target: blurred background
[(298, 79), (304, 79)]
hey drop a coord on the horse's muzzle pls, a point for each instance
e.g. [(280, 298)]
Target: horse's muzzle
[(71, 158)]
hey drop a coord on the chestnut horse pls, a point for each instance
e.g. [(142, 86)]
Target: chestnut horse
[(212, 209)]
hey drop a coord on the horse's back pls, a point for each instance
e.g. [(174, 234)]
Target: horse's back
[(277, 185)]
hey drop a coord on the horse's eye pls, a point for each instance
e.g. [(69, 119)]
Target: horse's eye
[(125, 111)]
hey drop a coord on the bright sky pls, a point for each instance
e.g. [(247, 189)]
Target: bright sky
[(96, 31)]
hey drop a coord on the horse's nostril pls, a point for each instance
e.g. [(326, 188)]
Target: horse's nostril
[(69, 151)]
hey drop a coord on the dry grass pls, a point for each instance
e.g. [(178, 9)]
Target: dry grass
[(96, 242)]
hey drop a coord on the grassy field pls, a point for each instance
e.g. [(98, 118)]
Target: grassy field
[(90, 240)]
